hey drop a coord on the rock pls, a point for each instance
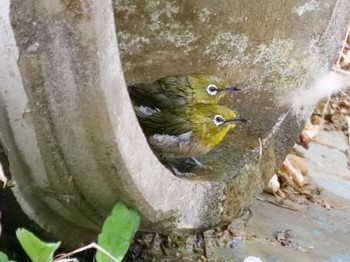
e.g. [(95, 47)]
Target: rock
[(273, 185)]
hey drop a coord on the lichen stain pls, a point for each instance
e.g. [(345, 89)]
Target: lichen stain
[(277, 60), (132, 43), (126, 7), (307, 7), (276, 55), (203, 15), (237, 44), (78, 7), (158, 8)]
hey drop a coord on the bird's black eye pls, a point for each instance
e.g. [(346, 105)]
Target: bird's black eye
[(212, 90), (219, 120)]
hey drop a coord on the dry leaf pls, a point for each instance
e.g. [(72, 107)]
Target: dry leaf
[(311, 130), (346, 58), (286, 239), (327, 204), (281, 193), (304, 140), (299, 163), (315, 119), (294, 173), (348, 122), (344, 104)]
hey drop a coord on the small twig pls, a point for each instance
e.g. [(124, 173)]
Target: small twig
[(205, 253), (320, 115), (308, 196), (276, 204), (92, 245), (152, 240), (347, 118), (344, 94), (163, 249), (342, 71)]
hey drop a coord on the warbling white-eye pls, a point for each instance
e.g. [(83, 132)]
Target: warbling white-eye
[(187, 131), (179, 90)]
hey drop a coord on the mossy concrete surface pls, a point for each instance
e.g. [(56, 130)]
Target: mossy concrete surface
[(67, 124)]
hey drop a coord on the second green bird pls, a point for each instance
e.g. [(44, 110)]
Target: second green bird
[(187, 131)]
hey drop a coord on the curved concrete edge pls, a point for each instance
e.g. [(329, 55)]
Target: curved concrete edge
[(165, 200), (181, 201), (18, 138), (73, 141), (333, 36)]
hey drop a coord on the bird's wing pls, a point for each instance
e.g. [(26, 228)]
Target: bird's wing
[(163, 93), (169, 133), (149, 95), (167, 122)]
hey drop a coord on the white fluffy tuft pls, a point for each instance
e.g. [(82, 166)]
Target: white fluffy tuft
[(302, 101)]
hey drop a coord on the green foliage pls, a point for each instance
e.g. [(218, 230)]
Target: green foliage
[(37, 250), (116, 236), (118, 232), (4, 258)]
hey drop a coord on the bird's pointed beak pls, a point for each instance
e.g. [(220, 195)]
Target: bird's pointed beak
[(232, 88), (237, 119)]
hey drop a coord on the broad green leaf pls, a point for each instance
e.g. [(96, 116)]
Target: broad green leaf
[(118, 232), (37, 250), (4, 258)]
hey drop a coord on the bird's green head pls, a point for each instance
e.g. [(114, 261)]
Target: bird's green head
[(209, 89), (212, 122)]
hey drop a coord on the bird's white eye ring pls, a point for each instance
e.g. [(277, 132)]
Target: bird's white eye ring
[(219, 120), (212, 90)]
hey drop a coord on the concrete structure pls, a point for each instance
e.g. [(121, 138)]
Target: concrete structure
[(71, 136)]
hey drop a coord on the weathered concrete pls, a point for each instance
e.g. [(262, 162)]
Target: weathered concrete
[(73, 141)]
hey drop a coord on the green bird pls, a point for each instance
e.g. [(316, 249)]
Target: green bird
[(187, 131), (180, 90)]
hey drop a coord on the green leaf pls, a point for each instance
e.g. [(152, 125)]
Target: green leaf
[(37, 250), (118, 232), (4, 258)]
